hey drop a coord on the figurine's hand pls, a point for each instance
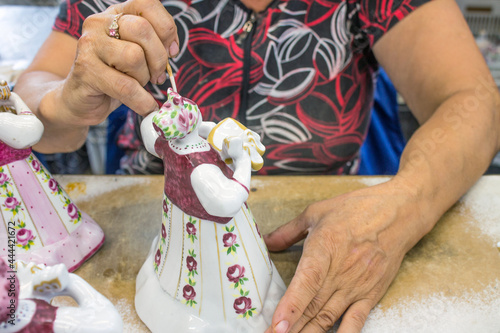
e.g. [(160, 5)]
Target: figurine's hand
[(50, 281), (41, 281), (109, 71), (353, 249), (233, 148)]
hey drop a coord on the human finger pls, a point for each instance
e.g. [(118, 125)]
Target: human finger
[(309, 278), (92, 77), (126, 57), (159, 18), (325, 308), (325, 318), (355, 317), (287, 234), (139, 31), (126, 89)]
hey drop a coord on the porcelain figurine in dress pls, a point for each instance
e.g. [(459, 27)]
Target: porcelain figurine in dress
[(38, 220), (209, 269), (37, 285)]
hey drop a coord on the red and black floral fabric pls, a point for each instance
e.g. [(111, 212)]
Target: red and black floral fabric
[(300, 74)]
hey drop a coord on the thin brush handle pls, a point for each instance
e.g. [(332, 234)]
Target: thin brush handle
[(171, 76)]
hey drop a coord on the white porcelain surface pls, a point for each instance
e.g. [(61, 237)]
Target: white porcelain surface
[(205, 273), (94, 313)]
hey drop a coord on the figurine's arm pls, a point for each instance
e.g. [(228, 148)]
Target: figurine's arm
[(21, 130), (219, 195), (149, 134), (205, 129)]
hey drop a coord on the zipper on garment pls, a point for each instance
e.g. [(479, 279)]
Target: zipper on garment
[(246, 39)]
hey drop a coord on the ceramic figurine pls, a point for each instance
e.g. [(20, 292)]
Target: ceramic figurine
[(209, 269), (39, 221), (34, 288)]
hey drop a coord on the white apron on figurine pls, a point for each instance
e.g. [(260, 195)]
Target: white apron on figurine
[(38, 220), (25, 307), (209, 269)]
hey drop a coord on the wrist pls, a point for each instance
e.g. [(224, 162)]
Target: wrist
[(417, 213), (62, 133)]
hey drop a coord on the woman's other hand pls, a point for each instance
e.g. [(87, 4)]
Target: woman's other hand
[(354, 246)]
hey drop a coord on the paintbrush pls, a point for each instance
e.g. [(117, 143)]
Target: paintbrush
[(171, 76)]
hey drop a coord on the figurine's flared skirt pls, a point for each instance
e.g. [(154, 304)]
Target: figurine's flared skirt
[(38, 220), (210, 277)]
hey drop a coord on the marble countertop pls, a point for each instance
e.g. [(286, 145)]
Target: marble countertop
[(449, 282)]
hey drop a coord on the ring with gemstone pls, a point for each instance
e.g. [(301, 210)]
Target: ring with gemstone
[(113, 28)]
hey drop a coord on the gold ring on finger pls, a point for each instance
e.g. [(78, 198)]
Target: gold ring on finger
[(114, 27)]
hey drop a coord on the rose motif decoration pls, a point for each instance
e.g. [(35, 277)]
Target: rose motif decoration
[(242, 304), (190, 228), (158, 257), (165, 207), (11, 203), (163, 231), (229, 239), (191, 264), (176, 118), (53, 185), (35, 165), (23, 236), (188, 292), (167, 106), (176, 98), (235, 273), (72, 211), (3, 178), (185, 121)]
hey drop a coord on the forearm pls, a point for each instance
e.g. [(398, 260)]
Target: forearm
[(243, 171), (447, 155), (42, 92)]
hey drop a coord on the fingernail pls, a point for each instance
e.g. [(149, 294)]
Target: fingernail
[(173, 49), (162, 78), (282, 327)]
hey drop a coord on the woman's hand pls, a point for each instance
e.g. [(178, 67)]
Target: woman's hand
[(353, 249), (108, 71)]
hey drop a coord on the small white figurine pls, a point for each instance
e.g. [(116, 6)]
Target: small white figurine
[(27, 301), (209, 269), (38, 220)]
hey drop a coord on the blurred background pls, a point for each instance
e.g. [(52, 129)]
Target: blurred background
[(24, 25)]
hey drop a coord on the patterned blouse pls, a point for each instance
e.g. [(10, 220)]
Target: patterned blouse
[(300, 73)]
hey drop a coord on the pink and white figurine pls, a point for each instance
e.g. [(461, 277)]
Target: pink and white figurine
[(29, 302), (38, 220), (209, 269)]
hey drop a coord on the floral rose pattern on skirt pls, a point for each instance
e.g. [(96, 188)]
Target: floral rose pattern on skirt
[(162, 244), (24, 237), (157, 259), (236, 275), (191, 229), (163, 232), (189, 293), (4, 179), (229, 240), (191, 261), (191, 264), (243, 306), (73, 212), (14, 210)]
